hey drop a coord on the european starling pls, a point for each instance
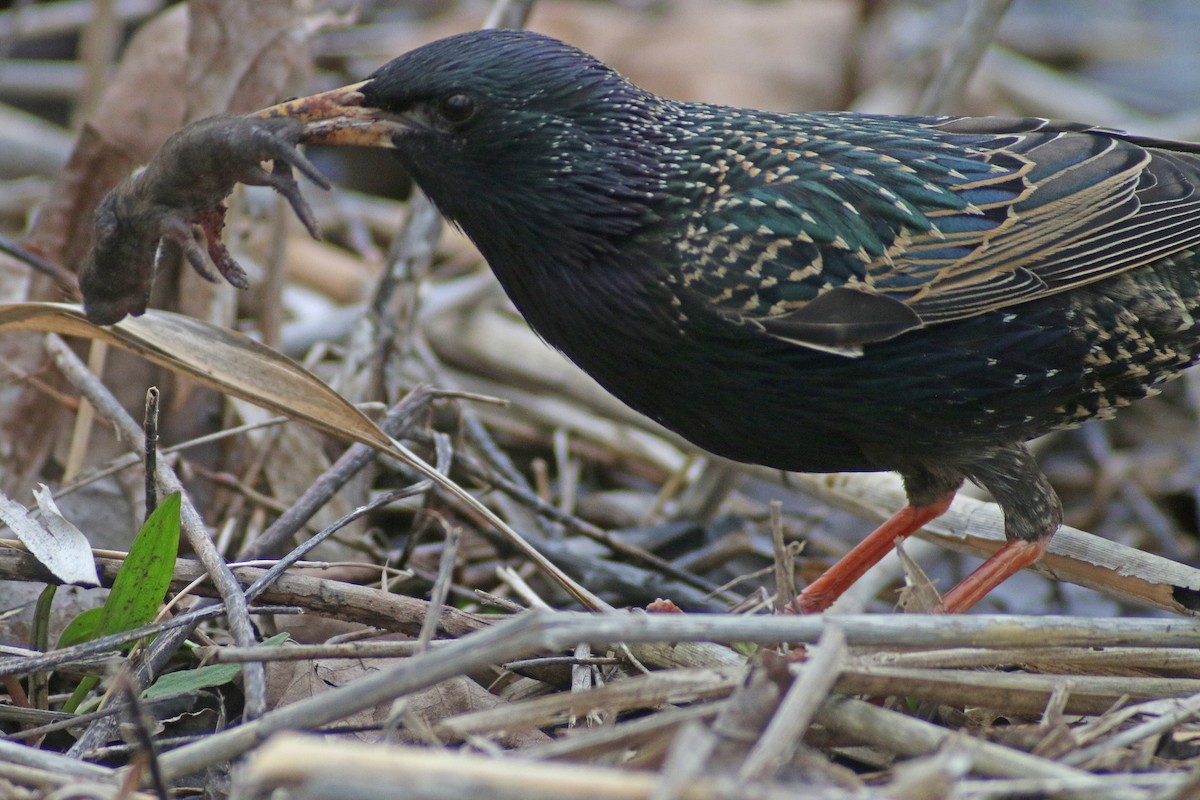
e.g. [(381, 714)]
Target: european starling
[(814, 292)]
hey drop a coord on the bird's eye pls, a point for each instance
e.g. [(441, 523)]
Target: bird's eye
[(457, 108)]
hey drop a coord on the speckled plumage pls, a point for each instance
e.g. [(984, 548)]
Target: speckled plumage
[(817, 291)]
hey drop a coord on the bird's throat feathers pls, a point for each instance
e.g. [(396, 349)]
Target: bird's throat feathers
[(586, 180), (561, 195)]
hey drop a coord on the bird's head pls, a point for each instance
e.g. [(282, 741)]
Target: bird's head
[(499, 125)]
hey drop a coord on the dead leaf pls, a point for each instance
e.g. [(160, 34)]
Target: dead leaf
[(293, 681), (919, 595), (57, 544), (242, 56), (140, 108), (462, 695), (218, 357)]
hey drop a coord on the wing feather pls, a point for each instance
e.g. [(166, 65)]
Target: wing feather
[(934, 219)]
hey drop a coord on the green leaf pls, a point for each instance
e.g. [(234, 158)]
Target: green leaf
[(143, 580), (141, 583), (83, 628), (190, 680)]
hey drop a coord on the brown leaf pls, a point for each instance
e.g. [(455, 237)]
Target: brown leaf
[(462, 695), (141, 107), (217, 357), (242, 56), (293, 681)]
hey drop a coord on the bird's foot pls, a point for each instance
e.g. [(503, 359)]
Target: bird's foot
[(808, 602), (1010, 559), (821, 593)]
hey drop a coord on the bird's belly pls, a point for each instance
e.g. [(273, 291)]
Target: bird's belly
[(943, 392)]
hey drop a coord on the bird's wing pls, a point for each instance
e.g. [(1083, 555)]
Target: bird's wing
[(844, 229)]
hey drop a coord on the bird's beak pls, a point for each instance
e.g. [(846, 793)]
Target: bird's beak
[(339, 117)]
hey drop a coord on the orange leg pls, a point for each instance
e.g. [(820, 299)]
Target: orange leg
[(821, 593), (1010, 559)]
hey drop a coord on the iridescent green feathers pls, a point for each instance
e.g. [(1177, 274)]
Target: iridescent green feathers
[(824, 229), (943, 218)]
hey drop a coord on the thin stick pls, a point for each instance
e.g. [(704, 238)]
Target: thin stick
[(85, 416), (962, 57), (785, 580), (542, 631), (509, 14), (150, 448), (799, 706), (64, 280), (142, 727), (1187, 710), (441, 587)]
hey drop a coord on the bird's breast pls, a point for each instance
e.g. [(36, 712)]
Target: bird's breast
[(945, 391)]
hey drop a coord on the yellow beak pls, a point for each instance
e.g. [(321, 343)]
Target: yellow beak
[(339, 117)]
